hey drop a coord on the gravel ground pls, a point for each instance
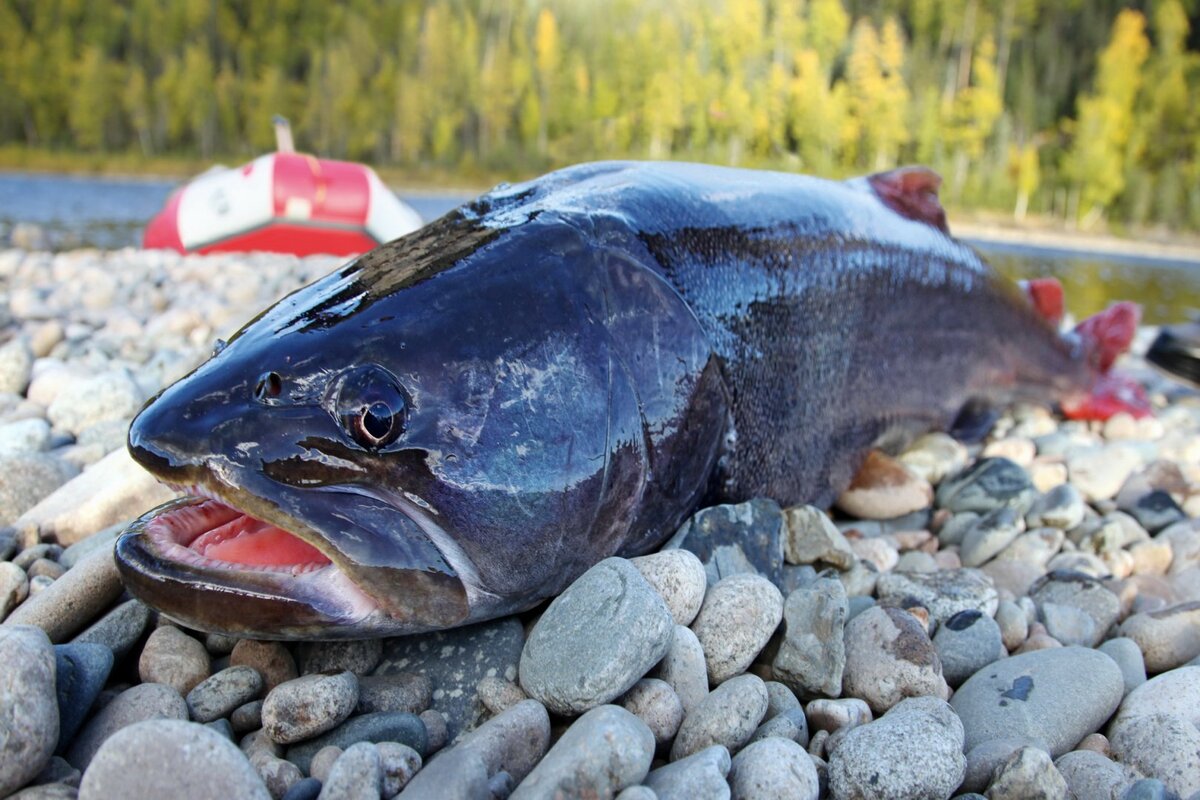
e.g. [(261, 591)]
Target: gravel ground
[(1018, 618)]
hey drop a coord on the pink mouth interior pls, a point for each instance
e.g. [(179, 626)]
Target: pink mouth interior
[(223, 536)]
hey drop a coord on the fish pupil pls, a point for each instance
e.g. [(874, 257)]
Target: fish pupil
[(269, 386)]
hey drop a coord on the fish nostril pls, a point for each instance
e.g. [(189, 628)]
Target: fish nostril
[(268, 387)]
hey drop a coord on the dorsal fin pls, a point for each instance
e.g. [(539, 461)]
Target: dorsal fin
[(912, 192)]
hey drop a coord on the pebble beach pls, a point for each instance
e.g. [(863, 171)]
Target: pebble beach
[(1017, 618)]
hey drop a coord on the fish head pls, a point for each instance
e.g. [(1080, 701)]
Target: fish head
[(405, 445)]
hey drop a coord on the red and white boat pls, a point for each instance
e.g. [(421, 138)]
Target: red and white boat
[(285, 202)]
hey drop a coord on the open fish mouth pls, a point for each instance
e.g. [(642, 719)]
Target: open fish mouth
[(212, 566)]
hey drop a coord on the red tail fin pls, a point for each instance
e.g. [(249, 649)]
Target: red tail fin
[(1110, 395), (1046, 294), (1108, 334)]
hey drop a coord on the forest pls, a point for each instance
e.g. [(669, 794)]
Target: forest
[(1083, 111)]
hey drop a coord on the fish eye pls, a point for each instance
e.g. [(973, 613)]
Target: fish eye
[(372, 406), (268, 387)]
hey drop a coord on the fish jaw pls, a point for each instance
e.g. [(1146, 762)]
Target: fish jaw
[(226, 559)]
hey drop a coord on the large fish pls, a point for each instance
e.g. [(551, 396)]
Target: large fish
[(457, 424)]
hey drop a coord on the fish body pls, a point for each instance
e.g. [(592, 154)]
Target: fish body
[(457, 424)]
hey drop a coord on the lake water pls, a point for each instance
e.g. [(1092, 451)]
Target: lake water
[(110, 212)]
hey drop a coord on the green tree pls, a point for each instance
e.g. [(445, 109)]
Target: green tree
[(1096, 158)]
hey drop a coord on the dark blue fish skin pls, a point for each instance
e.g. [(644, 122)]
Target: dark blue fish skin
[(578, 362)]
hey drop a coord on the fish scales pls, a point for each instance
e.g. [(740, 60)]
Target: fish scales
[(459, 423)]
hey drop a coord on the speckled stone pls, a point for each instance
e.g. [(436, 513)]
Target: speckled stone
[(728, 716), (773, 768), (454, 662), (655, 703), (698, 777), (1162, 746), (596, 639), (170, 758), (120, 629), (74, 600), (173, 658), (360, 657), (272, 660), (1168, 638), (943, 593), (400, 691), (738, 617), (812, 538), (679, 578), (1028, 774), (914, 751), (308, 706), (812, 655), (889, 657), (356, 775), (399, 763), (683, 668), (604, 751), (29, 715), (1089, 774), (218, 695)]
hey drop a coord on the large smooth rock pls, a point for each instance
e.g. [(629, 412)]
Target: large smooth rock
[(28, 705), (455, 661), (171, 758), (604, 751), (1176, 692), (1161, 746), (596, 639), (139, 703), (1048, 698), (911, 753), (511, 742)]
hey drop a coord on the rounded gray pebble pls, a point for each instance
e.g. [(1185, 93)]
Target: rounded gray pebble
[(218, 695), (170, 758), (498, 694), (247, 717), (889, 657), (735, 622), (678, 577), (684, 670), (655, 703), (728, 716), (356, 775), (436, 731), (773, 768), (323, 761), (700, 776), (596, 639), (1090, 774), (173, 658), (911, 753), (967, 643), (14, 587), (604, 751), (28, 705), (1161, 746), (1049, 698), (146, 701), (307, 706), (791, 724), (1128, 656), (277, 774), (399, 763)]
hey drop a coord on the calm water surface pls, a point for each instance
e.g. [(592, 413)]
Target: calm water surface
[(110, 212)]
